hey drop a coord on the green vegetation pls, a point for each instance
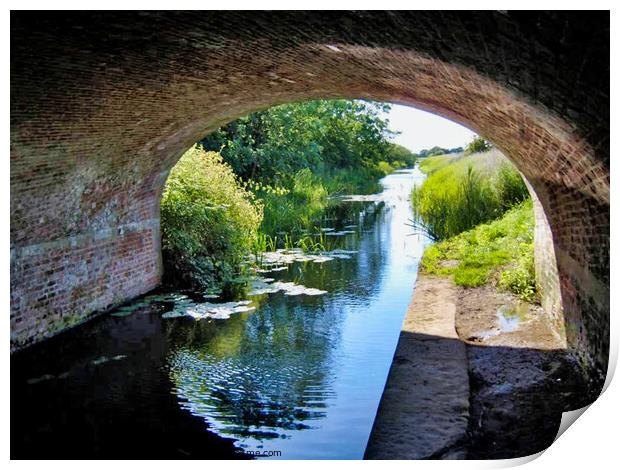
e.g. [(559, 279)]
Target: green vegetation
[(295, 157), (430, 165), (399, 156), (267, 181), (434, 151), (477, 145), (464, 191), (478, 207), (501, 252), (209, 222), (273, 145), (308, 201)]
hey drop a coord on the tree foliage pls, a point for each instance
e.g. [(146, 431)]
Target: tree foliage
[(399, 156), (434, 151), (267, 173), (275, 144), (477, 145)]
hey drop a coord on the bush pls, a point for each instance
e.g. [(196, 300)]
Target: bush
[(209, 222)]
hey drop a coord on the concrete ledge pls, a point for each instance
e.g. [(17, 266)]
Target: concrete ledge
[(424, 410)]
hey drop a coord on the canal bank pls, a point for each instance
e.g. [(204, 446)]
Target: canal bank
[(424, 408), (475, 375)]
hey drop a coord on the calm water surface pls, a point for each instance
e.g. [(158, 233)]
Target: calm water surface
[(300, 375)]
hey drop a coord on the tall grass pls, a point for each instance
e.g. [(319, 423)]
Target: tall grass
[(360, 180), (302, 207), (431, 164), (464, 191), (297, 211)]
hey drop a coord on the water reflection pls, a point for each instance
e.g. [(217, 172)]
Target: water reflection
[(304, 375)]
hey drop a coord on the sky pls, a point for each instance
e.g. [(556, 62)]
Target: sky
[(422, 130)]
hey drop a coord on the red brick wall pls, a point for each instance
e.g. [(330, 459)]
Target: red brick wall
[(546, 266), (103, 104)]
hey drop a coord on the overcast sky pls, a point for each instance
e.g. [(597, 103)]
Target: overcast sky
[(422, 130)]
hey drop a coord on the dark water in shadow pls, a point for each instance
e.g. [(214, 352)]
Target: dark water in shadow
[(300, 375)]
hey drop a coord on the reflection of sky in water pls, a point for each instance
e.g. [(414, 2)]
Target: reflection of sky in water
[(510, 316), (304, 375)]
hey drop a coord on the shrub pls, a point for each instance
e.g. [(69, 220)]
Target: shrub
[(209, 222), (387, 168)]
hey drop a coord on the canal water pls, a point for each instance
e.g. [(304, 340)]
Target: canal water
[(291, 373)]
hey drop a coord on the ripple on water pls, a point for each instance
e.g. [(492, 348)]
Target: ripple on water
[(249, 400)]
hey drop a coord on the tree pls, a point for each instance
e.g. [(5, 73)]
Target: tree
[(398, 154), (478, 144), (273, 145)]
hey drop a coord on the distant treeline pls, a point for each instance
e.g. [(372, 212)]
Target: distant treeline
[(434, 151), (478, 144)]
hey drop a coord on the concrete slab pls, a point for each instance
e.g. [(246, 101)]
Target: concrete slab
[(424, 409)]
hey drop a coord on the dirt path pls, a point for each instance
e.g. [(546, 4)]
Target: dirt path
[(424, 409), (468, 382)]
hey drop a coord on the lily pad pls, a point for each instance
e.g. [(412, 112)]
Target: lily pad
[(200, 311), (104, 359)]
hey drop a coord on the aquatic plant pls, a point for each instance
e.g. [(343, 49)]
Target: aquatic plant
[(309, 244)]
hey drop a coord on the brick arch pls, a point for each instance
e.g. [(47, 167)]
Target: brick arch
[(104, 104)]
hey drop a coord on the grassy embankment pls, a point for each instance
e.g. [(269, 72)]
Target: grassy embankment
[(478, 210)]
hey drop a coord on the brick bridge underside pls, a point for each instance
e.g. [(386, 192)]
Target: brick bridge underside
[(104, 104)]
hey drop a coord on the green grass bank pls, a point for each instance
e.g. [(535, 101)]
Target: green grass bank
[(479, 211)]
